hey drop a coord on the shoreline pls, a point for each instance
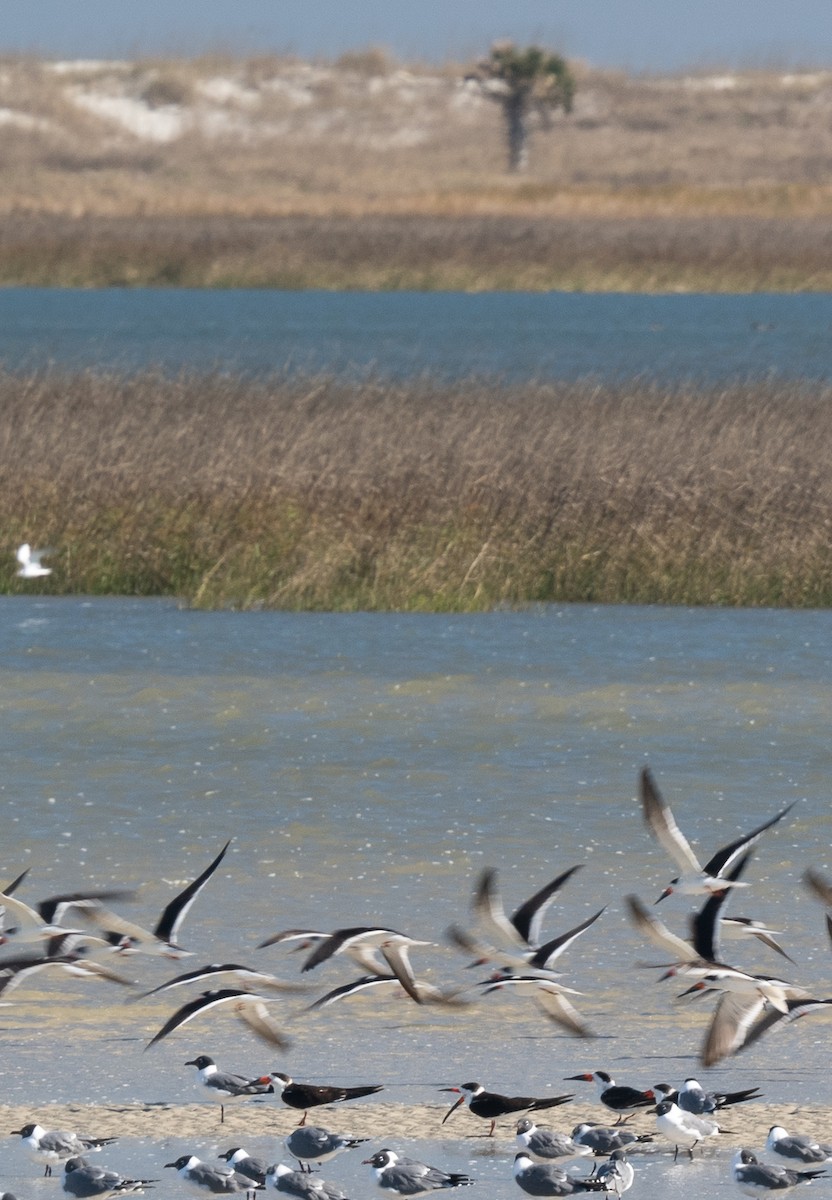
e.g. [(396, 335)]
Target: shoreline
[(748, 1124)]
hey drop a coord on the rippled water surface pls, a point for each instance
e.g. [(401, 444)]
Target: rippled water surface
[(367, 767)]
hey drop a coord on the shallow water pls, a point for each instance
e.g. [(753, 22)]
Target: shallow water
[(367, 768)]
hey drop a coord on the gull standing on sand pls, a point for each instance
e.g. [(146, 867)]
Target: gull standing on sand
[(547, 1146), (684, 1129), (223, 1085), (796, 1149), (407, 1177), (302, 1185), (86, 1182), (759, 1179), (56, 1145), (204, 1177), (312, 1143)]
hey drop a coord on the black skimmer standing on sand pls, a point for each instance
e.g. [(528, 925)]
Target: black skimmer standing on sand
[(545, 1179), (694, 879), (620, 1099), (224, 1085), (86, 1182), (312, 1143), (796, 1149), (311, 1095), (57, 1145), (409, 1178), (491, 1105), (760, 1179), (547, 1146), (205, 1177)]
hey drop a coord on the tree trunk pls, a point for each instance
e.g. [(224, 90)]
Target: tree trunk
[(517, 132)]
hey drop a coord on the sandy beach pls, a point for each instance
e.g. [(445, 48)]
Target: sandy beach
[(748, 1123)]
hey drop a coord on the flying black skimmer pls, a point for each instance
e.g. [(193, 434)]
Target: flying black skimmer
[(301, 1184), (603, 1139), (57, 1145), (522, 929), (127, 937), (616, 1173), (490, 1106), (312, 1143), (364, 944), (549, 995), (86, 1182), (250, 1007), (245, 1164), (546, 1179), (262, 980), (761, 1179), (312, 1095), (694, 879), (205, 1177), (775, 1020), (796, 1149), (547, 1146), (428, 993), (620, 1099), (409, 1178), (224, 1085), (16, 971), (684, 1129), (29, 562)]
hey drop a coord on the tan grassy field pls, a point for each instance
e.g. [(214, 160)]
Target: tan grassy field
[(368, 173), (320, 494)]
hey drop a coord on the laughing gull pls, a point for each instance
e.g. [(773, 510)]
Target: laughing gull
[(224, 1085), (760, 1179), (245, 1164), (547, 1146), (545, 1179), (311, 1095), (250, 1007), (603, 1139), (86, 1182), (301, 1184), (312, 1143), (684, 1129), (694, 879), (410, 1178), (128, 938), (204, 1177), (796, 1149), (491, 1105), (616, 1173), (56, 1145), (29, 560), (693, 1098), (620, 1099)]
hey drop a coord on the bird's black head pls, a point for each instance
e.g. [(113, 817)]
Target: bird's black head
[(201, 1062), (181, 1162), (26, 1131)]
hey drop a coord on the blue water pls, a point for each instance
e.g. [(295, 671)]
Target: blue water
[(515, 335)]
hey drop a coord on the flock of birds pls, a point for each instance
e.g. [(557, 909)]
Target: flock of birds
[(78, 932)]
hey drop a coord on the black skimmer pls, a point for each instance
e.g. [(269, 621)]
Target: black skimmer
[(684, 1129), (491, 1105), (549, 995), (15, 971), (545, 1179), (262, 980), (86, 1182), (760, 1179), (224, 1085), (410, 1178), (694, 879), (245, 1164), (250, 1007), (127, 937), (205, 1177), (603, 1139), (522, 929), (616, 1173), (311, 1143), (56, 1145), (775, 1020), (620, 1099), (427, 992), (301, 1184), (547, 1146), (363, 944), (796, 1149), (311, 1095)]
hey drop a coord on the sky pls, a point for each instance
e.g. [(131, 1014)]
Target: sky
[(637, 35)]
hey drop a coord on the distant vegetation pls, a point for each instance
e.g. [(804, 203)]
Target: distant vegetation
[(204, 171), (319, 494)]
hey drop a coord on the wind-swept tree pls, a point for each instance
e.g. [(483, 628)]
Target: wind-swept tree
[(525, 82)]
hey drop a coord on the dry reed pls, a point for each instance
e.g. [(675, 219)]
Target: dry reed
[(324, 494)]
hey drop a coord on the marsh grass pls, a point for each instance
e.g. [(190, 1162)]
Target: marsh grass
[(321, 493)]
